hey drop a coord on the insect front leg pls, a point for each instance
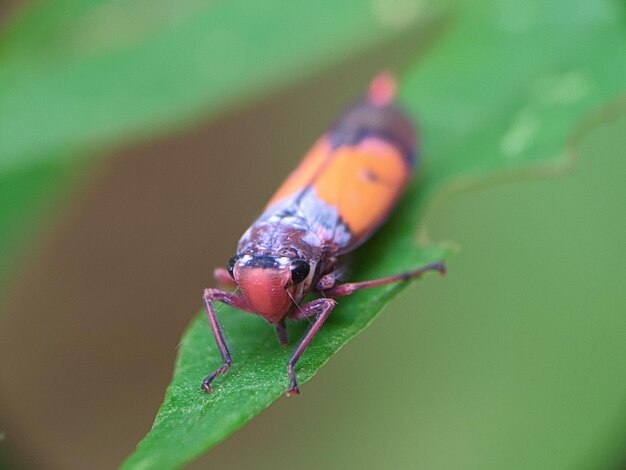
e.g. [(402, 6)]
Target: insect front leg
[(321, 308), (210, 296), (351, 287)]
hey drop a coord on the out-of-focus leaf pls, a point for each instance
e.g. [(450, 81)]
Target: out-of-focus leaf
[(76, 74), (27, 197)]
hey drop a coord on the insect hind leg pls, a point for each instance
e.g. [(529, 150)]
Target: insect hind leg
[(351, 287)]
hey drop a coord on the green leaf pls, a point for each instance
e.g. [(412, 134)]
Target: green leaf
[(499, 95)]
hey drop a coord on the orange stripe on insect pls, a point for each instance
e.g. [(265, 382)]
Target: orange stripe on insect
[(363, 182)]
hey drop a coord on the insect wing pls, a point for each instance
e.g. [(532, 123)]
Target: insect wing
[(362, 183)]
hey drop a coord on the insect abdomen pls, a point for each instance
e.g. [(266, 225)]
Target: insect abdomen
[(368, 120)]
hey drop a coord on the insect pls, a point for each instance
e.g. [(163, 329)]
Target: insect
[(343, 190)]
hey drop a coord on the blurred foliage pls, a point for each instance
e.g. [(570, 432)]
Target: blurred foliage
[(25, 195), (498, 94), (87, 74)]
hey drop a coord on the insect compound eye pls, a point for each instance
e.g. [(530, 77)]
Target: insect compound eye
[(231, 265), (299, 270)]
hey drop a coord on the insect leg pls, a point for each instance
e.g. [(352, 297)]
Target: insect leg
[(321, 308), (326, 282), (221, 275), (351, 287), (211, 295), (281, 331)]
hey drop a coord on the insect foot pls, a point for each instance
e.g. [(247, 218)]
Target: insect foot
[(206, 384), (293, 388)]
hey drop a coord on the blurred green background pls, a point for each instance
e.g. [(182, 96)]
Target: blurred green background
[(514, 360)]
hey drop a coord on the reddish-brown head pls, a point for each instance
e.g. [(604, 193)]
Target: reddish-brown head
[(271, 284)]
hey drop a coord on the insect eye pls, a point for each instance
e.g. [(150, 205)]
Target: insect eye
[(299, 270), (231, 265)]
